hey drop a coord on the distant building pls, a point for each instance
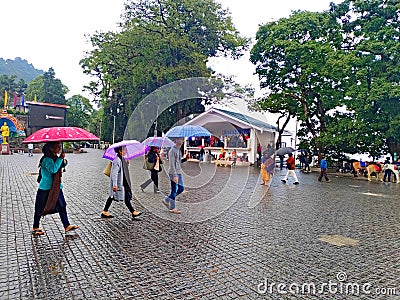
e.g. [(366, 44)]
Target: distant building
[(41, 115)]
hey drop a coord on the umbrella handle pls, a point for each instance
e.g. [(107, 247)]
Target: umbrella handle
[(62, 150)]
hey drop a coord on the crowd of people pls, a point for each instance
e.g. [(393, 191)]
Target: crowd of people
[(50, 198)]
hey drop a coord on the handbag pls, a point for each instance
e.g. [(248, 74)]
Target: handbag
[(107, 169), (148, 165), (157, 166)]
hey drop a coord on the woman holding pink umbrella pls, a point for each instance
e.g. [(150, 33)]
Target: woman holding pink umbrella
[(120, 184), (50, 197)]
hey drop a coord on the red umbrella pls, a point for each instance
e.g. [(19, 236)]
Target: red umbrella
[(60, 134)]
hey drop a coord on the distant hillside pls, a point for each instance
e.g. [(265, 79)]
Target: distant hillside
[(19, 67)]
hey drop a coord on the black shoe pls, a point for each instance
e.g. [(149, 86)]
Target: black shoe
[(283, 180), (106, 216), (296, 182)]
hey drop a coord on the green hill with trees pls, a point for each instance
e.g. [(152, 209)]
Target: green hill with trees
[(20, 68)]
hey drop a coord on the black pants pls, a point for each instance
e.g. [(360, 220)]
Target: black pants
[(128, 198), (153, 178)]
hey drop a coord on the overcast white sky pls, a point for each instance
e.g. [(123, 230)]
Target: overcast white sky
[(49, 33)]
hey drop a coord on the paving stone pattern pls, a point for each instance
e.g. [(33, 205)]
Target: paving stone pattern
[(228, 256)]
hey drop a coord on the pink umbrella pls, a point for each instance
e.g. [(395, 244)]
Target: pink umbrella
[(133, 149), (60, 134)]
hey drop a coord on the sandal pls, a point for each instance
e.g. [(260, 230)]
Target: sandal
[(71, 228), (37, 231), (175, 211), (136, 213), (166, 204)]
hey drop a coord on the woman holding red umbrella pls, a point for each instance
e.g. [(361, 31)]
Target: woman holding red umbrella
[(50, 197)]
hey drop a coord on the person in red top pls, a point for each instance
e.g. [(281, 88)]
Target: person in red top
[(291, 166)]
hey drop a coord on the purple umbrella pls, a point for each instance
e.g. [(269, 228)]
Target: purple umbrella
[(133, 149), (158, 141)]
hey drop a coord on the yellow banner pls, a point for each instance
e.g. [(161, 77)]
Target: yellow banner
[(5, 98)]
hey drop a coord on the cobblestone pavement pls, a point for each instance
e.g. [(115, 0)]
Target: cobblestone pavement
[(285, 243)]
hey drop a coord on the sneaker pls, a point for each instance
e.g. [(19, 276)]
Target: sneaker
[(106, 216), (157, 192), (328, 180), (283, 180), (296, 182)]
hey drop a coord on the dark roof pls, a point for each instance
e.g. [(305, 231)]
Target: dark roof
[(247, 119)]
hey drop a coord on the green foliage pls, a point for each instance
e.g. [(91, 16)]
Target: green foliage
[(47, 89), (298, 61), (159, 42), (346, 58), (80, 112), (374, 96), (9, 83)]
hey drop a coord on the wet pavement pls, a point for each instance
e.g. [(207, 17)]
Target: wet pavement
[(234, 240)]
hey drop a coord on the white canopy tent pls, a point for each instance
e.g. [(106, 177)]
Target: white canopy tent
[(224, 124)]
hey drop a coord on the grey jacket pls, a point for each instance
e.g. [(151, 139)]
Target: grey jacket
[(175, 159), (117, 178)]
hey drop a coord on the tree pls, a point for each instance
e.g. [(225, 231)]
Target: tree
[(160, 42), (345, 82), (372, 30), (9, 84), (300, 62), (47, 88), (80, 112)]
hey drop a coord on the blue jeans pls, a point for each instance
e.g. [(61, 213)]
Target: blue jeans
[(176, 189)]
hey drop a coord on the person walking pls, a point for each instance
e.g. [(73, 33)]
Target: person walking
[(30, 149), (234, 157), (49, 197), (120, 184), (291, 166), (281, 157), (307, 161), (265, 175), (175, 176), (153, 156), (259, 150), (388, 172), (202, 152), (323, 166)]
